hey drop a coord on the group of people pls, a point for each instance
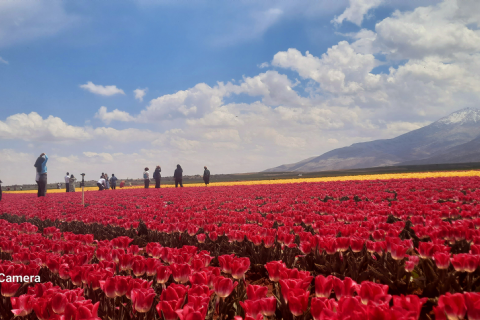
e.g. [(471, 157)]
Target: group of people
[(104, 183), (70, 183), (177, 175)]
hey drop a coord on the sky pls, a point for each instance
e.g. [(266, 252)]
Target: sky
[(238, 86)]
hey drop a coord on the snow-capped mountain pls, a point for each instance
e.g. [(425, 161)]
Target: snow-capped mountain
[(434, 143)]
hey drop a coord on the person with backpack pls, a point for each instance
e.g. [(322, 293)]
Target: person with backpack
[(146, 178), (41, 166), (67, 182), (206, 176), (113, 182), (157, 176), (178, 176)]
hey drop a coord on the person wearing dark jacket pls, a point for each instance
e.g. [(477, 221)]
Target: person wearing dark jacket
[(113, 182), (157, 176), (178, 176), (41, 166), (206, 176)]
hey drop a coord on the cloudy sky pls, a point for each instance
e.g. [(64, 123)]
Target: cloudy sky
[(240, 86)]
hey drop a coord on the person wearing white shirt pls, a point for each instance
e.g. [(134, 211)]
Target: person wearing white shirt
[(101, 184), (67, 182)]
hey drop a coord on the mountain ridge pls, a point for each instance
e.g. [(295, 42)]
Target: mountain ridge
[(434, 141)]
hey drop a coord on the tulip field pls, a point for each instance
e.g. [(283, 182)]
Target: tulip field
[(398, 249)]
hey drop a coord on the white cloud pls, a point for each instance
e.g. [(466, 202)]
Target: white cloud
[(442, 30), (32, 127), (26, 20), (356, 11), (115, 115), (3, 61), (101, 90), (140, 93), (264, 65)]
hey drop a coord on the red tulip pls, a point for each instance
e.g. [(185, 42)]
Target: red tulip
[(59, 302), (180, 272), (369, 291), (410, 302), (255, 292), (297, 301), (142, 299), (9, 288), (398, 251), (189, 313), (213, 236), (344, 288), (274, 268), (357, 244), (323, 286), (201, 237), (472, 300), (442, 260), (121, 285), (108, 287), (151, 264), (139, 268), (23, 305), (268, 306), (317, 306), (453, 305), (169, 309), (163, 274), (252, 307), (224, 286), (239, 266), (225, 262)]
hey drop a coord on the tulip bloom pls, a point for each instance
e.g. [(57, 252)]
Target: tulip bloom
[(224, 286), (239, 266), (453, 305), (23, 305), (442, 260), (180, 272), (298, 301), (344, 288), (323, 286), (472, 300), (142, 299), (274, 268), (163, 274), (255, 292)]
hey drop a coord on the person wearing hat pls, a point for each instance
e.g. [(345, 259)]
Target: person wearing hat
[(146, 177), (206, 176), (157, 176)]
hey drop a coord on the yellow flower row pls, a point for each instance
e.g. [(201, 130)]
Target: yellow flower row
[(417, 175)]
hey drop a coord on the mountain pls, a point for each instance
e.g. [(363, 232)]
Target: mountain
[(449, 139)]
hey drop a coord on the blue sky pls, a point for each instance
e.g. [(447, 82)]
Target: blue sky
[(294, 106)]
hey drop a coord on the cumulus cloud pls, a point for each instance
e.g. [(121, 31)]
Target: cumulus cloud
[(116, 115), (140, 93), (444, 30), (32, 127), (3, 61), (356, 11), (101, 90)]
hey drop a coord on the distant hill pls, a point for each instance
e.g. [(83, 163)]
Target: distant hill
[(452, 139)]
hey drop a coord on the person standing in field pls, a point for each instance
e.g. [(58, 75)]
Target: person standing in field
[(41, 166), (178, 176), (146, 178), (113, 181), (122, 184), (101, 183), (107, 182), (157, 176), (67, 182), (0, 190), (206, 176), (71, 183)]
